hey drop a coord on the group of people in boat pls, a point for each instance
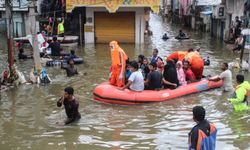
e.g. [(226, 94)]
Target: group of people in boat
[(181, 67)]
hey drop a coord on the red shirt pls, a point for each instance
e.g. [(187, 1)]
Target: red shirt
[(189, 75)]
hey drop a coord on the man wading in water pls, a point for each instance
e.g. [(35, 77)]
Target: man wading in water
[(70, 104)]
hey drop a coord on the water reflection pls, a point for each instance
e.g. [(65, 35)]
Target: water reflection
[(28, 113)]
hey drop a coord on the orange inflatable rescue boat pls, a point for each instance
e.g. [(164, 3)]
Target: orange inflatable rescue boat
[(111, 94)]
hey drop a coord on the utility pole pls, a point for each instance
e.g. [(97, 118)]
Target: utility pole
[(9, 23), (32, 26)]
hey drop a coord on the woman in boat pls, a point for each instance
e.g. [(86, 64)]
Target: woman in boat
[(170, 79), (180, 73), (140, 60)]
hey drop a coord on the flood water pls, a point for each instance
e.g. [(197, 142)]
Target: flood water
[(28, 113)]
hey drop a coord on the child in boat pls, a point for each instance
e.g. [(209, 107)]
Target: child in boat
[(190, 77), (145, 68), (154, 78), (135, 81), (180, 73), (127, 72)]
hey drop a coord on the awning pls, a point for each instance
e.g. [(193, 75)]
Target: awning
[(17, 5), (208, 2), (206, 12), (113, 5)]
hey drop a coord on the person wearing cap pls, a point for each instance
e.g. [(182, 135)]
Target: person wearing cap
[(203, 135), (154, 78), (135, 80), (71, 105), (239, 98)]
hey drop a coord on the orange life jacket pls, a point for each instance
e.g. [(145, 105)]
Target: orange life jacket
[(178, 55), (116, 54)]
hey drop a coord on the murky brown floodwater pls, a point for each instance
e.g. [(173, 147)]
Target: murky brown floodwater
[(28, 113)]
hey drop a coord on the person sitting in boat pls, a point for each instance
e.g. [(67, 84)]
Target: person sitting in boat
[(140, 60), (181, 34), (21, 54), (135, 81), (196, 62), (170, 79), (155, 56), (190, 77), (71, 70), (160, 64), (118, 65), (127, 72), (165, 36), (180, 73), (239, 99), (145, 68), (154, 78), (55, 47)]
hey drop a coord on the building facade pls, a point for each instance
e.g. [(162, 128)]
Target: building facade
[(20, 14), (122, 20)]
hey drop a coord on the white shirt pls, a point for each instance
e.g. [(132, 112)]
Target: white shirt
[(226, 76), (137, 81)]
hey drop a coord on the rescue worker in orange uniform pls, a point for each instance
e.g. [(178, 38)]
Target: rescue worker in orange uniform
[(117, 70), (178, 55), (196, 62)]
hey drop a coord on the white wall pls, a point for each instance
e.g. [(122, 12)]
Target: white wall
[(139, 22)]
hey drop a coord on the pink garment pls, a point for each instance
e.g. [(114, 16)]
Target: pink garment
[(184, 7), (181, 74)]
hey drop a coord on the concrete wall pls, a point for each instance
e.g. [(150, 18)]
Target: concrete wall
[(139, 22), (233, 8), (18, 24)]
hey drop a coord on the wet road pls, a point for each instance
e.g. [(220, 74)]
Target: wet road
[(28, 113)]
